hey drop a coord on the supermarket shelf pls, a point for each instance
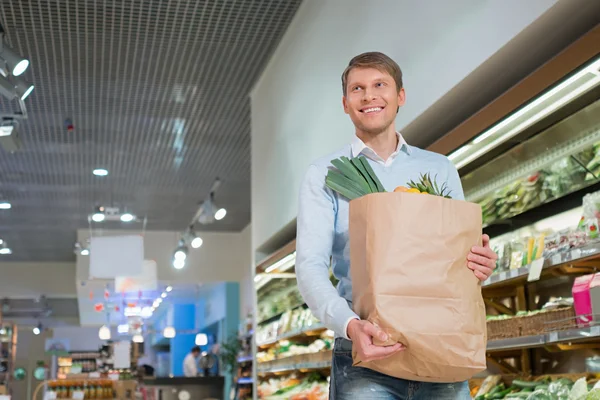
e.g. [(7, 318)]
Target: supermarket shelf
[(571, 335), (302, 362), (518, 275), (275, 317), (306, 331)]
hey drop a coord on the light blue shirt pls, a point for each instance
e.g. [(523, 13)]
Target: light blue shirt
[(322, 224)]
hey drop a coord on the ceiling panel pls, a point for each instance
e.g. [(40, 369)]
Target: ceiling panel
[(158, 92)]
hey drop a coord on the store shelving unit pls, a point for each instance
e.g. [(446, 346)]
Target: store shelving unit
[(8, 353)]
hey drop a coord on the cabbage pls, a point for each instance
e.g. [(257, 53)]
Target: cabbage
[(579, 390)]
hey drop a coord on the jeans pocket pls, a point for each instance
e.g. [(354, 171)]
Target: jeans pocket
[(342, 347)]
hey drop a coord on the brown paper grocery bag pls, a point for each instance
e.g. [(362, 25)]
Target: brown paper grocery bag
[(409, 277)]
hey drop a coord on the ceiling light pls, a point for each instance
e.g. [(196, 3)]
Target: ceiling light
[(100, 172), (104, 333), (127, 217), (197, 242), (23, 89), (98, 217), (85, 252), (178, 263), (163, 295), (169, 332), (5, 205), (284, 264), (566, 91), (181, 253), (159, 300), (5, 251), (138, 339), (220, 214), (123, 328), (169, 288), (1, 241), (201, 339), (36, 331), (156, 304), (14, 61)]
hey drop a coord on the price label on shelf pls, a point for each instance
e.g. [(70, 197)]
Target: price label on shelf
[(5, 397), (595, 331), (575, 254), (557, 259), (513, 273), (553, 336), (50, 396), (78, 395), (535, 270)]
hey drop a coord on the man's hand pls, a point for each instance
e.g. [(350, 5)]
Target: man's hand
[(362, 334), (482, 260)]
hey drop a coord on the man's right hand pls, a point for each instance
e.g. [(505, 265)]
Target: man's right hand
[(362, 333)]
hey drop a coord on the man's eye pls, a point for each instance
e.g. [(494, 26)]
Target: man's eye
[(355, 88), (380, 84)]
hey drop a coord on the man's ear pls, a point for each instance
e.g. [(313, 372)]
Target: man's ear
[(401, 99), (345, 105)]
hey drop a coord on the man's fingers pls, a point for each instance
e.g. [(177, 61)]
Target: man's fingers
[(475, 259), (379, 352), (481, 268), (375, 332), (480, 275)]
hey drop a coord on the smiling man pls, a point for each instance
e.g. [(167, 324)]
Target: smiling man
[(372, 96)]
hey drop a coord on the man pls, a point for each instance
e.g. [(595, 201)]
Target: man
[(190, 363), (372, 96)]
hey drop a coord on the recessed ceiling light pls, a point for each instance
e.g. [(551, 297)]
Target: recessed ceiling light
[(85, 252), (127, 217), (163, 295), (98, 217), (5, 250), (169, 288), (100, 172), (5, 205), (2, 242)]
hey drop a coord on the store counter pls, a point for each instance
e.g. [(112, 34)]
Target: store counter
[(199, 388)]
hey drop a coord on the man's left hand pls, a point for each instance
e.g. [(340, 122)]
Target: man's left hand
[(482, 260)]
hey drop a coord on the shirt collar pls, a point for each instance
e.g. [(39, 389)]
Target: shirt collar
[(359, 147)]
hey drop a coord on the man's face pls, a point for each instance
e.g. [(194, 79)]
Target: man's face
[(372, 100)]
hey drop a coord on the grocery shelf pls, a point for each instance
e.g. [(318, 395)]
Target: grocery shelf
[(305, 331), (571, 335), (558, 260), (301, 362)]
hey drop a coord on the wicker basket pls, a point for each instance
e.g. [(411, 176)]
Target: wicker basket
[(503, 328), (540, 323)]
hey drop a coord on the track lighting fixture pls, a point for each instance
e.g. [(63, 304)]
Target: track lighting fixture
[(13, 62), (102, 214)]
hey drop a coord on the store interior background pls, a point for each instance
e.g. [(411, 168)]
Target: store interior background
[(456, 57)]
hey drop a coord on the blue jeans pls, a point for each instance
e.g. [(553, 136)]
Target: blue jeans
[(358, 383)]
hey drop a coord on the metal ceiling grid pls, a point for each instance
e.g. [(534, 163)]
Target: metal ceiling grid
[(158, 92)]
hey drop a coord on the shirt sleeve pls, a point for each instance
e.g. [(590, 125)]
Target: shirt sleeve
[(314, 241)]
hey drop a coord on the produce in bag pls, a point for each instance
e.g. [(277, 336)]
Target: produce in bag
[(409, 275)]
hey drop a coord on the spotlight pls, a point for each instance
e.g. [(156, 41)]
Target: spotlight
[(5, 250), (16, 64), (85, 252), (177, 264), (181, 253), (4, 205), (23, 89), (163, 295), (169, 288), (197, 242), (37, 330), (220, 214)]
